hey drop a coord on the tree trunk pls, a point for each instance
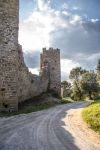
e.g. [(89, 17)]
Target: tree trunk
[(90, 95), (80, 93)]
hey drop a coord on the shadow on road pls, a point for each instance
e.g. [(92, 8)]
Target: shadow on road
[(42, 130), (64, 136)]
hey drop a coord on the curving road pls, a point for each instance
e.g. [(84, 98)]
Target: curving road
[(44, 130)]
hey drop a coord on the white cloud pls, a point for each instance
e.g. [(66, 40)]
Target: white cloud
[(66, 13), (41, 5), (76, 19), (47, 27), (94, 20), (76, 8), (66, 66), (34, 32), (65, 6), (93, 57), (34, 71)]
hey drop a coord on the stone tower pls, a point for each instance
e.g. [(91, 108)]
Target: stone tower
[(50, 60), (9, 20)]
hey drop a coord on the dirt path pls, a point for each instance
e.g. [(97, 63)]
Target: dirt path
[(84, 136), (54, 129)]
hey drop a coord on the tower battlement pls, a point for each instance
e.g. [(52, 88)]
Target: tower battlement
[(50, 51)]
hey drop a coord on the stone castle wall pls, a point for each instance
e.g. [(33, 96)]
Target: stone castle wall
[(27, 83), (9, 18), (17, 84), (30, 85)]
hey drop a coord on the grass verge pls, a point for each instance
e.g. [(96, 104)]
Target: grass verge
[(91, 115), (66, 100), (29, 108), (44, 102)]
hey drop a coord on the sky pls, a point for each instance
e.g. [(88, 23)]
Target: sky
[(73, 26)]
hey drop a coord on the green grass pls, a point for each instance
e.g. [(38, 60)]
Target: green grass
[(97, 99), (66, 100), (91, 116), (88, 100), (30, 108)]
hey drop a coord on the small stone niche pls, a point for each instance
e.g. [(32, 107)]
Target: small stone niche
[(6, 42), (32, 81), (3, 89), (53, 68), (5, 105)]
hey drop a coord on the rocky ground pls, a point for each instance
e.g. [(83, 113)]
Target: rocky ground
[(58, 128)]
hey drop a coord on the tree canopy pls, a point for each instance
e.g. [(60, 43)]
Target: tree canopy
[(84, 83)]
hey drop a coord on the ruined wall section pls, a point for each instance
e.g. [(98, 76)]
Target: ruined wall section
[(44, 75), (29, 85), (9, 19), (51, 59)]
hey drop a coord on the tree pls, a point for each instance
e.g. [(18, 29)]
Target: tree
[(66, 87), (66, 84), (75, 95), (75, 76), (89, 84)]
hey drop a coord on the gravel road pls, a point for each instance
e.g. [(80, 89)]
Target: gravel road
[(44, 130)]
